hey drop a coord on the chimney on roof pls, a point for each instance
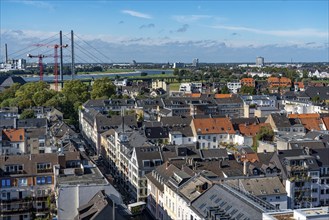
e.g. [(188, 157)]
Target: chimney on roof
[(245, 167), (167, 164)]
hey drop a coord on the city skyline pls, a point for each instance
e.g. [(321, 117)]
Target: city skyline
[(176, 31)]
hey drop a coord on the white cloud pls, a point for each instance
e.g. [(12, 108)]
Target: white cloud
[(136, 14), (158, 49), (38, 4), (305, 32), (190, 18)]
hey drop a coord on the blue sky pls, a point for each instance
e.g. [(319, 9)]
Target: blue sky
[(172, 31)]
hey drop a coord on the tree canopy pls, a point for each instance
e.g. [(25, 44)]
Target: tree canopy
[(102, 88)]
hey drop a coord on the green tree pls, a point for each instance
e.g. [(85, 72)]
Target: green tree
[(9, 92), (41, 97), (265, 134), (102, 88), (176, 72), (27, 113), (248, 90), (225, 90), (25, 93), (75, 91)]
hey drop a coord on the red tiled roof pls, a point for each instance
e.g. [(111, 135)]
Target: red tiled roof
[(213, 126), (253, 129), (310, 115), (194, 95), (223, 96), (15, 135), (311, 123)]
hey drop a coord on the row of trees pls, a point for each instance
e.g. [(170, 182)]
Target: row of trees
[(72, 96)]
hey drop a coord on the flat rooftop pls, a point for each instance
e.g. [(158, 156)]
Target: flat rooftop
[(91, 176)]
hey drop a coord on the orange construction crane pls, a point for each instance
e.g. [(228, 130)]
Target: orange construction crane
[(55, 46), (40, 56)]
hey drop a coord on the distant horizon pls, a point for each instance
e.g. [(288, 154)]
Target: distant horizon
[(170, 31)]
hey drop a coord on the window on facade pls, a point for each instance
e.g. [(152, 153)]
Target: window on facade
[(146, 163), (22, 182), (5, 183), (315, 190), (43, 166)]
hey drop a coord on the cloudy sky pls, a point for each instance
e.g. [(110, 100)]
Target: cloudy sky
[(172, 31)]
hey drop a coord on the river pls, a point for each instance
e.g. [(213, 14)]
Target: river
[(99, 75)]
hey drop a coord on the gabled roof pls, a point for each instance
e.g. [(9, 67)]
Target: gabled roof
[(321, 92), (96, 208), (214, 153), (11, 80), (14, 135), (223, 96), (164, 172), (213, 126), (309, 115), (147, 153), (253, 129), (280, 120)]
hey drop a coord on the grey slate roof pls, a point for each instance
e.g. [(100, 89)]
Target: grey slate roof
[(280, 120), (214, 153), (322, 92), (165, 171), (147, 153), (32, 123), (11, 80), (7, 123)]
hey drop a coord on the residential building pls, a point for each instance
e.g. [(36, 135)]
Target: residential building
[(191, 87), (229, 105), (157, 84), (281, 124), (234, 87), (77, 182), (93, 124), (269, 189), (212, 132), (27, 182), (13, 141), (256, 102), (250, 82), (321, 213), (276, 82), (305, 174)]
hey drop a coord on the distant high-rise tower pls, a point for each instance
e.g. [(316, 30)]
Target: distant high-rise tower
[(260, 61), (195, 62)]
